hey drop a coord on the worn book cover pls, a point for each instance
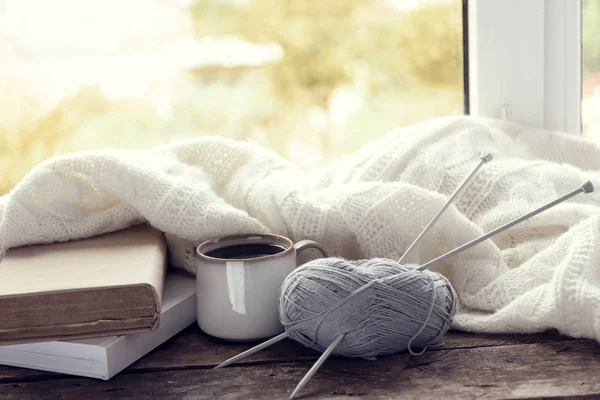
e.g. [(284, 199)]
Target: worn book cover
[(104, 357), (106, 285)]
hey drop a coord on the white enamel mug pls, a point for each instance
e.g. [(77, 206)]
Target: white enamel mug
[(238, 281)]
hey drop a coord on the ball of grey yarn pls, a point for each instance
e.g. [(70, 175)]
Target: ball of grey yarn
[(382, 307)]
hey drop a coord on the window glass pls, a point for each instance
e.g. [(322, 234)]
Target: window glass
[(590, 104), (311, 79)]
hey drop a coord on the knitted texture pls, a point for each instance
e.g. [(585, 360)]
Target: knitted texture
[(544, 273)]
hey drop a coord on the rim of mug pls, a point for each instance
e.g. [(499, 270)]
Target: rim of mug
[(242, 236)]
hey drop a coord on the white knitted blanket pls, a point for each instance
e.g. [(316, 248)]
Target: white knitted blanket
[(544, 273)]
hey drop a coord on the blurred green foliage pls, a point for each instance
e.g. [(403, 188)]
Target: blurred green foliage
[(324, 40)]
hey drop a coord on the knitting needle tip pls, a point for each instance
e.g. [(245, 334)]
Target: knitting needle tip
[(587, 187), (253, 350), (317, 365), (486, 157)]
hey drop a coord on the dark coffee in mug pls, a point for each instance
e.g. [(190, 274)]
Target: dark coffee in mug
[(241, 251)]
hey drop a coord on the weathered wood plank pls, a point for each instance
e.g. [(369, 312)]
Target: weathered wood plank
[(459, 340), (568, 368), (197, 349), (194, 348)]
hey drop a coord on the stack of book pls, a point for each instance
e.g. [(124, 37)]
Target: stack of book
[(91, 307)]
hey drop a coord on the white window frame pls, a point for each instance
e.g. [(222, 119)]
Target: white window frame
[(525, 62)]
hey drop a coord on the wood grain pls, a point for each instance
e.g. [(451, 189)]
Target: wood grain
[(537, 370), (193, 348)]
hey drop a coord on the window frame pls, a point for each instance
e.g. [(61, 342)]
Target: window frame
[(524, 62)]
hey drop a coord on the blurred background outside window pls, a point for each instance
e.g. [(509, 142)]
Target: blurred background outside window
[(310, 79)]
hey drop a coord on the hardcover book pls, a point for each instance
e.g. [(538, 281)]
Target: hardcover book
[(110, 284)]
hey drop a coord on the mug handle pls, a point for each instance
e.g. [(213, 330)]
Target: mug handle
[(310, 244)]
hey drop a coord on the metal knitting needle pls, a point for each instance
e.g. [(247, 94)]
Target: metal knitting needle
[(484, 158), (317, 365), (586, 187), (253, 350)]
